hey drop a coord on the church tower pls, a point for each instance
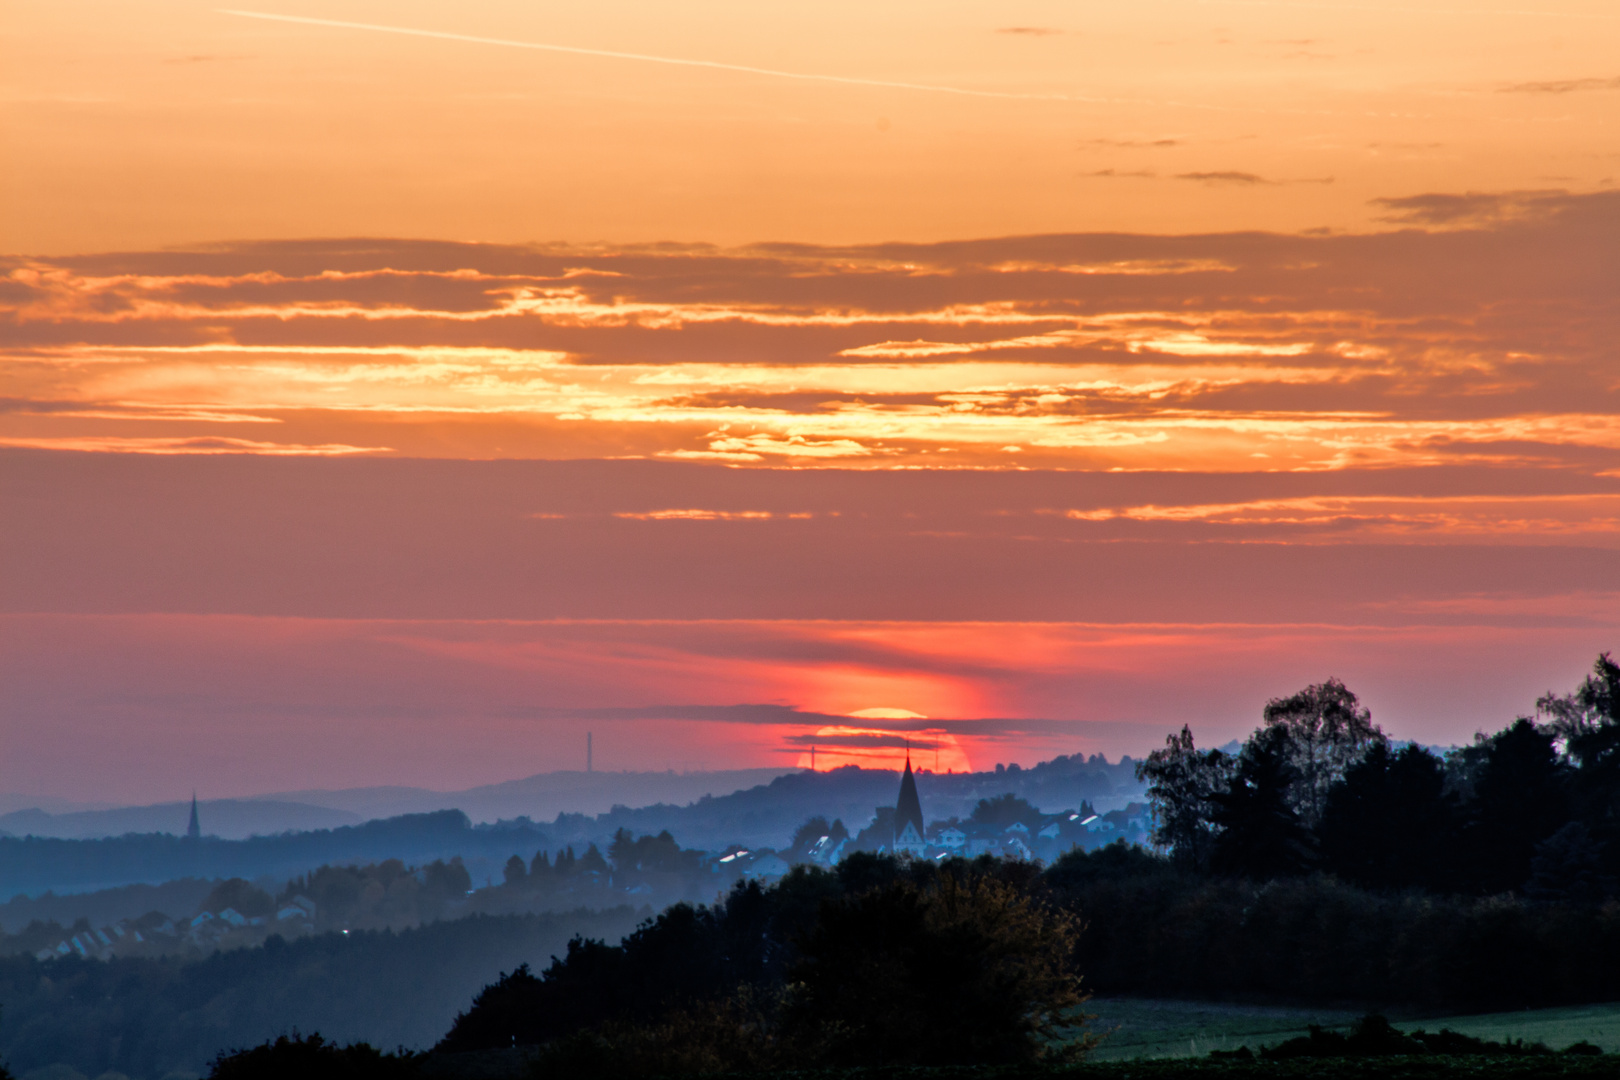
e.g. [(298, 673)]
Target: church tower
[(908, 819), (194, 830)]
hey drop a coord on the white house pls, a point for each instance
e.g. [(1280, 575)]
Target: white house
[(909, 842)]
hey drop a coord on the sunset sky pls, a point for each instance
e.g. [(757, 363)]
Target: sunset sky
[(393, 393)]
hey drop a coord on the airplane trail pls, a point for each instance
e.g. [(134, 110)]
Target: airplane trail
[(675, 61), (1391, 9)]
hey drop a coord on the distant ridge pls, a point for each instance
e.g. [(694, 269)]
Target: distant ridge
[(767, 814), (540, 797), (762, 815), (229, 819), (35, 864)]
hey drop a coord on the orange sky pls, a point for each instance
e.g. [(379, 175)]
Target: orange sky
[(143, 124), (394, 407)]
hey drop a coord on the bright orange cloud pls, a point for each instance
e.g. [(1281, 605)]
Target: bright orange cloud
[(1399, 350)]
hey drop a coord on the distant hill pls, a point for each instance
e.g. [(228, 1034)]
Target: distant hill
[(540, 797), (229, 819), (544, 796), (32, 865), (766, 815), (153, 1018), (763, 815)]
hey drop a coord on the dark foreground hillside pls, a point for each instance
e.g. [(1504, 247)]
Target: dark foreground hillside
[(881, 954), (1370, 1047), (362, 1063), (148, 1018)]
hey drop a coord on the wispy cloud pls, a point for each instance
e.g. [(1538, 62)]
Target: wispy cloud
[(702, 515), (1245, 179), (610, 54), (1473, 209), (1136, 144), (1562, 86), (194, 444)]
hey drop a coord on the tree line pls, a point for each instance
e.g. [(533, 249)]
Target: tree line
[(877, 962), (1532, 809), (879, 959), (895, 964)]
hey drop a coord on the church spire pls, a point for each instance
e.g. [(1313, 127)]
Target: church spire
[(908, 811), (194, 830)]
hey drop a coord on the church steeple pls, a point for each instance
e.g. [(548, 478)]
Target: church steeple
[(908, 811), (194, 830)]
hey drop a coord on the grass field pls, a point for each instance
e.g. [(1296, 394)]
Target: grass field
[(1152, 1028), (1155, 1028), (1558, 1028)]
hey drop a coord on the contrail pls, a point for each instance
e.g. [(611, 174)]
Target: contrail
[(1391, 9), (676, 61)]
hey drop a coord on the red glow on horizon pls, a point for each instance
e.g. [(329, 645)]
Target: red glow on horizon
[(932, 750)]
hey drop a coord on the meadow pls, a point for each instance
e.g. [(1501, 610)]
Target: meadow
[(1149, 1028)]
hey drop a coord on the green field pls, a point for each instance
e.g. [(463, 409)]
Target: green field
[(1155, 1028), (1558, 1028)]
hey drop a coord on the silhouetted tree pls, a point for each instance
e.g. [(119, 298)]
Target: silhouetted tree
[(1595, 704), (1389, 824), (1261, 835), (1567, 867), (245, 899), (515, 873), (566, 862), (879, 834), (313, 1058), (808, 833), (591, 862), (1182, 784), (1587, 723), (966, 971), (1328, 731), (807, 836), (684, 956), (446, 881), (1005, 810), (1520, 799)]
